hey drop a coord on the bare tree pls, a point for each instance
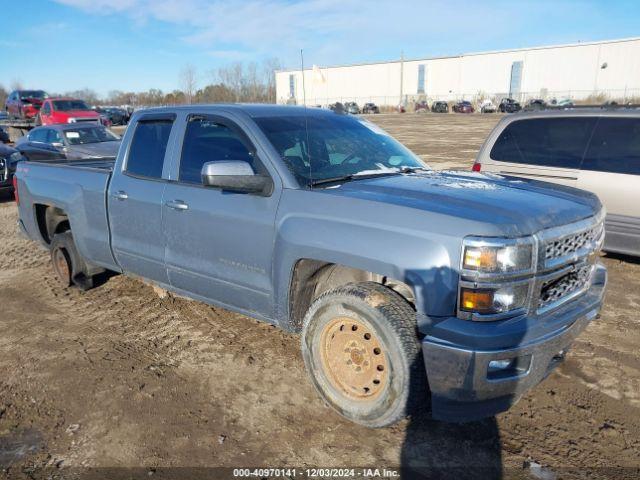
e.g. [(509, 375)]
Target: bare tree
[(188, 82), (269, 68), (86, 94), (3, 96)]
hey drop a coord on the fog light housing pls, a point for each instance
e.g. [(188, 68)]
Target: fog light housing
[(508, 367)]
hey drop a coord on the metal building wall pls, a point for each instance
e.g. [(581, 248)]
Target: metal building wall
[(573, 71)]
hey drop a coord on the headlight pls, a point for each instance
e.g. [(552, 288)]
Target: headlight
[(489, 257), (488, 301), (71, 120), (495, 277)]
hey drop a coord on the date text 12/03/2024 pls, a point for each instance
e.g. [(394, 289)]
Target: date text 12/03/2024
[(316, 473)]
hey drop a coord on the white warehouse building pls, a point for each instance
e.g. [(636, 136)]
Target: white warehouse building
[(594, 70)]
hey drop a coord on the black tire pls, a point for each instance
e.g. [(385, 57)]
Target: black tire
[(386, 320), (68, 265)]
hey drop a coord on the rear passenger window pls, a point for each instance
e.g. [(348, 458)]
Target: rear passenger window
[(549, 142), (209, 141), (615, 147), (148, 146)]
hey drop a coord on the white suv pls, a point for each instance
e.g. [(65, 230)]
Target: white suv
[(595, 150)]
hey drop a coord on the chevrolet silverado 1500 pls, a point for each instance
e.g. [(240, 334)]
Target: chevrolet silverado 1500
[(411, 288)]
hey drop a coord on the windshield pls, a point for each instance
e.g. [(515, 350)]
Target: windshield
[(81, 136), (26, 94), (68, 105), (329, 146)]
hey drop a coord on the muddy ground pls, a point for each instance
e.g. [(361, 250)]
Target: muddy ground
[(119, 377)]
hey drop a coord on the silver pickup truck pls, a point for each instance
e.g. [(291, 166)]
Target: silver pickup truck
[(412, 289)]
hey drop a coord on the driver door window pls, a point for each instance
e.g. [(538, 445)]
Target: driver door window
[(39, 136), (209, 141)]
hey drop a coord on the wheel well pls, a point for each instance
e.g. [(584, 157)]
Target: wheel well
[(51, 220), (311, 278)]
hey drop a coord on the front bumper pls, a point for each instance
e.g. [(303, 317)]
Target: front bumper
[(464, 389)]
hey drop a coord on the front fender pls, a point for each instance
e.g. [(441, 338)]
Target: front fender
[(424, 261)]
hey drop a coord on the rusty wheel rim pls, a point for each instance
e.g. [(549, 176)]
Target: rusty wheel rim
[(61, 266), (353, 359)]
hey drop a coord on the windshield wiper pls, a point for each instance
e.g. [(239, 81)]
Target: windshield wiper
[(359, 176), (414, 169), (353, 176)]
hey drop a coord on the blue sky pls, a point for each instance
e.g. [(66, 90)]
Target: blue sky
[(63, 45)]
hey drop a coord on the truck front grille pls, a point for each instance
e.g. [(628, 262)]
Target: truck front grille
[(557, 291), (572, 244)]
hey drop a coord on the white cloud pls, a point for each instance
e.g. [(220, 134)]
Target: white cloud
[(331, 31)]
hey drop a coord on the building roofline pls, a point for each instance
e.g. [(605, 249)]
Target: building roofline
[(470, 54)]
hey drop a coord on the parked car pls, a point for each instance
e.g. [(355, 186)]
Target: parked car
[(463, 107), (70, 141), (337, 107), (66, 110), (24, 104), (421, 107), (352, 108), (487, 106), (509, 105), (4, 135), (116, 116), (594, 150), (9, 158), (535, 104), (370, 108), (565, 103), (323, 224), (440, 107)]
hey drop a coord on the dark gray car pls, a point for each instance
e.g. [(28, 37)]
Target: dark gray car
[(9, 158), (70, 142)]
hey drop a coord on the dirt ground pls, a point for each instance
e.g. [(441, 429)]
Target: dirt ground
[(118, 377)]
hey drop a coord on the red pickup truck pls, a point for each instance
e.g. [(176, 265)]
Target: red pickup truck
[(24, 104), (68, 110)]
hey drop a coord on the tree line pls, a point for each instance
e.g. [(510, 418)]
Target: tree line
[(237, 82)]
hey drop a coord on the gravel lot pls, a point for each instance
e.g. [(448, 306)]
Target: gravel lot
[(119, 377)]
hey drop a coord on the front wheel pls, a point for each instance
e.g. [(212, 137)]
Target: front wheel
[(68, 265), (361, 350)]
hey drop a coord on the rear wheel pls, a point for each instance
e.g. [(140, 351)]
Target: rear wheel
[(361, 350), (68, 265)]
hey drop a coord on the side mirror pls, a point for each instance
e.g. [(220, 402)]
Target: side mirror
[(236, 176)]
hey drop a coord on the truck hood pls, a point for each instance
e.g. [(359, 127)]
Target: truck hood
[(102, 149), (516, 206)]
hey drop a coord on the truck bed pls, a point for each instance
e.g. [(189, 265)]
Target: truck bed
[(77, 187)]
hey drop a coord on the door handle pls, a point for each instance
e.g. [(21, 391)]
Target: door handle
[(177, 205), (120, 195)]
